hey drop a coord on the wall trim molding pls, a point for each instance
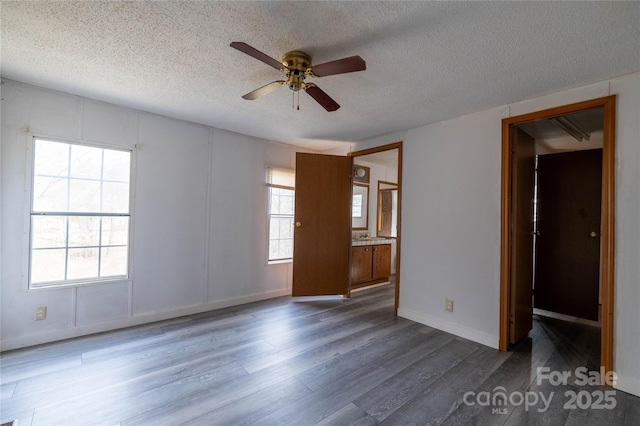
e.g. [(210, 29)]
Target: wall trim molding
[(449, 327), (141, 319)]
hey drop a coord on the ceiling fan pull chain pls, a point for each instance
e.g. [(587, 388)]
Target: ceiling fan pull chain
[(298, 100)]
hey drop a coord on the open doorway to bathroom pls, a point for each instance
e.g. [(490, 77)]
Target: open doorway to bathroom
[(376, 218)]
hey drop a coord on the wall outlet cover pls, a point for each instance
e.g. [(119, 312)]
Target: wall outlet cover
[(41, 313), (448, 305)]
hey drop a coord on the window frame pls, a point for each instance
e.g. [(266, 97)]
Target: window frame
[(270, 187), (30, 214)]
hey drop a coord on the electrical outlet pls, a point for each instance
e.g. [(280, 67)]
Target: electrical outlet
[(448, 305), (41, 313)]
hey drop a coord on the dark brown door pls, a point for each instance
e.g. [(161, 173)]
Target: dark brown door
[(322, 237), (568, 247), (523, 181)]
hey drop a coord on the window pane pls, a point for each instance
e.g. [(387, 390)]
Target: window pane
[(115, 197), (84, 231), (84, 195), (113, 261), (47, 265), (286, 227), (49, 194), (286, 248), (286, 204), (357, 205), (115, 231), (82, 263), (116, 165), (280, 238), (49, 231), (282, 201), (274, 229), (273, 249), (86, 162), (51, 159)]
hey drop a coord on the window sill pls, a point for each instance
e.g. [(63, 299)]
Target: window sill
[(87, 283), (278, 262)]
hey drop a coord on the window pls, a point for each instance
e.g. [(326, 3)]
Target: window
[(356, 205), (80, 215), (280, 184)]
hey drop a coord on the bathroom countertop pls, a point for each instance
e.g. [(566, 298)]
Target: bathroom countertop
[(370, 241)]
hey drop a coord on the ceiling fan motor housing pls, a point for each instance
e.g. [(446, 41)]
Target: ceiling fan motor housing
[(298, 63)]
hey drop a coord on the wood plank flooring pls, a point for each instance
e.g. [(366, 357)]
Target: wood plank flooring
[(286, 362)]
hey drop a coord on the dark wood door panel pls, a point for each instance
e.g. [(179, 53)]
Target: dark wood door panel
[(523, 181), (568, 247)]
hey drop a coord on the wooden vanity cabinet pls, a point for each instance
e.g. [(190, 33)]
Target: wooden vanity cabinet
[(381, 261), (361, 263), (370, 264)]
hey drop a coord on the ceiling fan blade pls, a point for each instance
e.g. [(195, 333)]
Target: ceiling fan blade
[(321, 97), (341, 66), (245, 48), (263, 90)]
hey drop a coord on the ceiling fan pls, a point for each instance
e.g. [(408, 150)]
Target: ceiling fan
[(296, 66)]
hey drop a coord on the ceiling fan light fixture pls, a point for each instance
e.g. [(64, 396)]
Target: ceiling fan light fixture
[(296, 65), (295, 80)]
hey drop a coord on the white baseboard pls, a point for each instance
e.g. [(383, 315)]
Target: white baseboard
[(458, 330), (55, 335)]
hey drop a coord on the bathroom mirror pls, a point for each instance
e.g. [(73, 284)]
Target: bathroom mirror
[(360, 207), (387, 209)]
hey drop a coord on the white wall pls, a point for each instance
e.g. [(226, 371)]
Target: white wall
[(451, 220), (188, 179)]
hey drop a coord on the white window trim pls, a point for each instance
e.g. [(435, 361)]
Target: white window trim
[(27, 205)]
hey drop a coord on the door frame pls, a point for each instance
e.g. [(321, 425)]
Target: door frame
[(608, 105), (389, 147)]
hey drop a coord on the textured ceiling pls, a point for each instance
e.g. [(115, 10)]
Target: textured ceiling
[(426, 61)]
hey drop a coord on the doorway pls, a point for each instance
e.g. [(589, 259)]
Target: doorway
[(517, 237), (383, 168)]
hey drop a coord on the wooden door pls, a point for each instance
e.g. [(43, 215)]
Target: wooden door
[(523, 180), (322, 236), (381, 261), (568, 247), (361, 264)]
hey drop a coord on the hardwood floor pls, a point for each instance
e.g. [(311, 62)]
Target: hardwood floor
[(328, 362)]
